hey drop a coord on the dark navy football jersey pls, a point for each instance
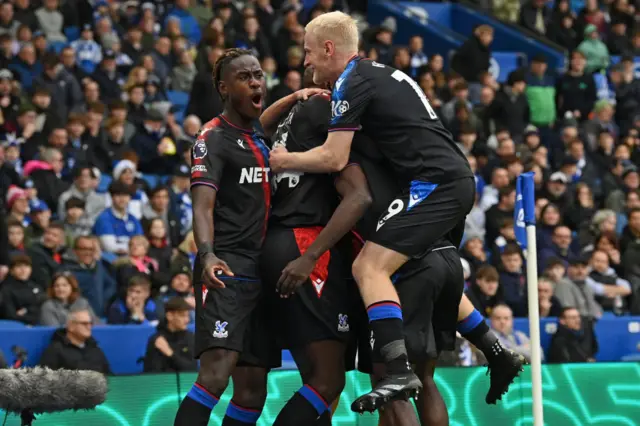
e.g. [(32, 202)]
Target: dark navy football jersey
[(303, 199), (389, 107), (235, 162)]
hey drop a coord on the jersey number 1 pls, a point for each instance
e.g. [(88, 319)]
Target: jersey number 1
[(400, 76)]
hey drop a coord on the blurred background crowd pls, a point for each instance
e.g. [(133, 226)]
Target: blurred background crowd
[(100, 102)]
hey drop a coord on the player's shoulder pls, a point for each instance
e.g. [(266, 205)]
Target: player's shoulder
[(368, 68), (321, 101)]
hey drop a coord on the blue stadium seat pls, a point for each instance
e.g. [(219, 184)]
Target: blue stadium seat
[(105, 181), (57, 46), (72, 33), (180, 99), (179, 115), (10, 324), (152, 180)]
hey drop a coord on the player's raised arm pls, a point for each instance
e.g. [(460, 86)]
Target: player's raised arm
[(352, 186)]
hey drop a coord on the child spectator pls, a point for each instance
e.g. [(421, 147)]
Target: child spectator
[(137, 307), (18, 205), (159, 248), (125, 171), (506, 237), (171, 348), (484, 292), (21, 297), (16, 237), (73, 227), (137, 262), (181, 286), (512, 280), (115, 226), (63, 298)]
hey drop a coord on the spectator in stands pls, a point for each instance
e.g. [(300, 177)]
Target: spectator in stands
[(115, 225), (51, 21), (15, 237), (474, 55), (88, 52), (569, 343), (81, 189), (490, 194), (510, 108), (575, 291), (549, 304), (583, 208), (74, 210), (513, 280), (561, 28), (39, 221), (557, 193), (594, 50), (610, 290), (161, 55), (502, 325), (66, 95), (541, 95), (74, 348), (631, 232), (46, 176), (534, 16), (172, 347), (107, 77), (184, 72), (159, 248), (186, 255), (507, 236), (576, 89), (496, 214), (484, 293), (204, 100), (25, 66), (181, 286), (460, 97), (18, 205), (21, 297), (46, 256), (154, 146), (560, 248), (618, 42), (630, 182), (125, 172), (188, 22), (138, 262), (94, 279), (601, 222), (8, 24), (608, 242), (63, 298), (136, 307)]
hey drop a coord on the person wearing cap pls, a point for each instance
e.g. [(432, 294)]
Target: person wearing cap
[(510, 108), (88, 51), (573, 289), (66, 95), (630, 182), (474, 55), (115, 226), (51, 21), (181, 285), (126, 171), (576, 89), (541, 94), (556, 191), (40, 219), (171, 348), (17, 204), (155, 146), (594, 50), (154, 90), (107, 77)]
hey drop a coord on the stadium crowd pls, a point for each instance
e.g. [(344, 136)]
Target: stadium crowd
[(95, 159)]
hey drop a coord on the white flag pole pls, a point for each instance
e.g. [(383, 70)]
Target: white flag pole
[(534, 326)]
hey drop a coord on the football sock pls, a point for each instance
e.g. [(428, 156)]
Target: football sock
[(475, 330), (240, 416), (196, 407), (385, 320), (304, 408)]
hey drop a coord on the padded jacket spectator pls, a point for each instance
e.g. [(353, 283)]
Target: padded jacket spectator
[(17, 295), (95, 282), (61, 353), (182, 344)]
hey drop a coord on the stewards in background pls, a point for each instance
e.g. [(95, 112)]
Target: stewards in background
[(73, 347), (171, 348)]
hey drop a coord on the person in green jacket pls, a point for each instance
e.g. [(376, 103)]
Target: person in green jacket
[(594, 50)]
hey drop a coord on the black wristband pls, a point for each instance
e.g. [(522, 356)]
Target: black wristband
[(205, 249)]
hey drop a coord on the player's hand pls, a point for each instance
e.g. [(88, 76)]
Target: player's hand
[(213, 269), (294, 275), (304, 94), (277, 159)]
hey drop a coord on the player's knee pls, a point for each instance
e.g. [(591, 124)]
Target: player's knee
[(251, 397), (214, 380), (361, 268), (328, 385)]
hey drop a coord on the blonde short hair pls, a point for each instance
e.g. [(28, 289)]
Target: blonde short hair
[(337, 27)]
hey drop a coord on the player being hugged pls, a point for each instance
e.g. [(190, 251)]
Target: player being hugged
[(437, 185), (231, 202), (308, 251)]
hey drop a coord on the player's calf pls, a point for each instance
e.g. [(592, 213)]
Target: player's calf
[(249, 396), (213, 378)]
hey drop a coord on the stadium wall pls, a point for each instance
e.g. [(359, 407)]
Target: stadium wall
[(606, 394)]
